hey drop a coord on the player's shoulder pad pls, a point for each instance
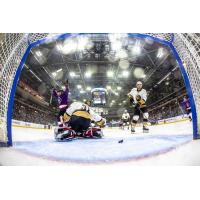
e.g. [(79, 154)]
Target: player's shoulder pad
[(134, 89), (143, 90)]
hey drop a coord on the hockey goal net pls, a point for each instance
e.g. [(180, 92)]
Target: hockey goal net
[(14, 46)]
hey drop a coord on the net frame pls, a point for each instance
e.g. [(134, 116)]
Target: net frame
[(15, 47)]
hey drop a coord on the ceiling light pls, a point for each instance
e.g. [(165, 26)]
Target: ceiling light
[(72, 74), (110, 74), (119, 88), (139, 73), (125, 74), (82, 43), (88, 88), (79, 86), (88, 74), (59, 47), (59, 70), (54, 74), (69, 46), (108, 87), (160, 53), (122, 54), (38, 53), (116, 45), (116, 93), (136, 48)]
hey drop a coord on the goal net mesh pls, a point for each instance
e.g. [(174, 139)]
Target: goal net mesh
[(14, 46)]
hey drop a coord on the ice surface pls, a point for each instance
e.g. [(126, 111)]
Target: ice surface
[(162, 138)]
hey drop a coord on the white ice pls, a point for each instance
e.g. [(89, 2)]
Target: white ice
[(186, 154)]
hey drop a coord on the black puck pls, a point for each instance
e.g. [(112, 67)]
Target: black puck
[(120, 141)]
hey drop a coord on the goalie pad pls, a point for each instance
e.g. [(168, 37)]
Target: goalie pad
[(64, 133), (93, 133)]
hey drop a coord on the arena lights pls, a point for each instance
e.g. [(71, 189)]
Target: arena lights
[(143, 76), (88, 88), (125, 74), (122, 54), (119, 88), (79, 86), (82, 91), (72, 74), (160, 53), (139, 72), (54, 74), (88, 74), (110, 74), (116, 45), (83, 43), (136, 50), (38, 53), (116, 93), (117, 36), (124, 64), (59, 70), (59, 47), (167, 83), (108, 87), (69, 46)]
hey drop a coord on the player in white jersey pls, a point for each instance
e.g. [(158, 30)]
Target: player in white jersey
[(125, 119), (138, 98), (79, 117)]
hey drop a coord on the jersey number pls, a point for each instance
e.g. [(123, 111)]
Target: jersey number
[(85, 108)]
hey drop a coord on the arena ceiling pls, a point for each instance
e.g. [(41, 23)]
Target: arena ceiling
[(98, 60)]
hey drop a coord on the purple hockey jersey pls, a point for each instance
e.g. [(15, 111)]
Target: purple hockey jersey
[(186, 104), (63, 98)]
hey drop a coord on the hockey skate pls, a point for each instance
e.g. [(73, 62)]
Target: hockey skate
[(64, 134), (145, 129)]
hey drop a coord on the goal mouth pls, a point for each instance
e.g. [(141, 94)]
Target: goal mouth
[(28, 41)]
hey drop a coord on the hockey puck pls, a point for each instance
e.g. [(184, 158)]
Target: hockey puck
[(120, 141)]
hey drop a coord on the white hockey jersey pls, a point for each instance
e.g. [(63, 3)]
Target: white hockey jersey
[(79, 107), (142, 93), (125, 116)]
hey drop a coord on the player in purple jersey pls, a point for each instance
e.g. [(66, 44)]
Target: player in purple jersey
[(62, 97), (187, 107)]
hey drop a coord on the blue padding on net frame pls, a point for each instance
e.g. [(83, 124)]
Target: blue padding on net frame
[(63, 36)]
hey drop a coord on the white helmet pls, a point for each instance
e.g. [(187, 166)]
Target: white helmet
[(139, 83)]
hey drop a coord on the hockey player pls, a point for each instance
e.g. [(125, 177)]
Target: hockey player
[(79, 117), (187, 107), (125, 119), (138, 97), (62, 98)]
